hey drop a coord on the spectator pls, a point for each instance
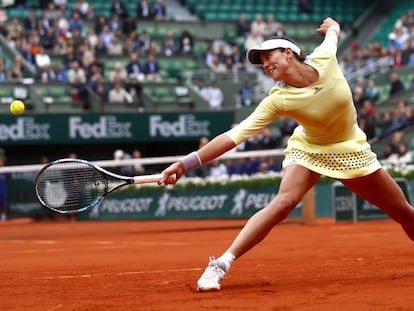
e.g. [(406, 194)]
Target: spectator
[(253, 39), (3, 71), (186, 43), (208, 55), (129, 25), (258, 27), (393, 43), (267, 140), (100, 47), (402, 155), (127, 170), (119, 8), (396, 84), (159, 10), (232, 167), (238, 58), (246, 94), (15, 74), (358, 97), (28, 55), (387, 124), (15, 30), (229, 65), (118, 94), (45, 74), (106, 35), (75, 23), (217, 169), (409, 116), (406, 53), (83, 8), (79, 92), (96, 66), (202, 89), (171, 46), (115, 47), (215, 96), (144, 10), (118, 73), (60, 47), (76, 39), (217, 66), (242, 26), (139, 169), (152, 68), (273, 28), (397, 138), (287, 126), (367, 116), (100, 92), (87, 53), (372, 91), (134, 88), (42, 58), (100, 22), (134, 67), (58, 74), (30, 21), (48, 40), (222, 52), (62, 23), (76, 74), (116, 25), (145, 42)]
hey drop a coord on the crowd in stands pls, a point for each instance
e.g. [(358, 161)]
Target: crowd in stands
[(397, 151), (397, 52), (80, 38)]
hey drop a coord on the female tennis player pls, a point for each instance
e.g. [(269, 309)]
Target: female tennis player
[(313, 91)]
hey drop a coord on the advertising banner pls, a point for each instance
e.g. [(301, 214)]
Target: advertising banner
[(107, 128)]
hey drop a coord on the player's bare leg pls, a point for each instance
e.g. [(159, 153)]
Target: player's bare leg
[(382, 191), (296, 181)]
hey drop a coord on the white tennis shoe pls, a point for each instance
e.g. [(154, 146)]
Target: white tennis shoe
[(212, 276)]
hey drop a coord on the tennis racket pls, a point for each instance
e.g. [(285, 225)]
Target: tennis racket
[(69, 186)]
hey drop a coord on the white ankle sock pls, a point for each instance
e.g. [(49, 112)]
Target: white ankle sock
[(227, 258)]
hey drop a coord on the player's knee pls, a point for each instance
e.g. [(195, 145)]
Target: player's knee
[(284, 205)]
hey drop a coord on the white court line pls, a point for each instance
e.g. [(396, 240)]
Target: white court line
[(99, 245), (79, 276)]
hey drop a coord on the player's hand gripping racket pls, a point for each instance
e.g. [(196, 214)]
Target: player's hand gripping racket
[(71, 186)]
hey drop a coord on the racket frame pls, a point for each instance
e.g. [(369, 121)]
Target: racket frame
[(127, 180)]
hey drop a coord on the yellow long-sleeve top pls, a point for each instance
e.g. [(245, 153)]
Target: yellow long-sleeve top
[(328, 139)]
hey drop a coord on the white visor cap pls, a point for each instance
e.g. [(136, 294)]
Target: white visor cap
[(253, 55)]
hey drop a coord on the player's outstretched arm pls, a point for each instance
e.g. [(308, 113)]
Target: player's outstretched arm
[(215, 148)]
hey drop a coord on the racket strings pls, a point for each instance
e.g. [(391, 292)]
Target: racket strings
[(71, 186)]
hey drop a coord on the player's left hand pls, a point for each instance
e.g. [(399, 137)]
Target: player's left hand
[(327, 22)]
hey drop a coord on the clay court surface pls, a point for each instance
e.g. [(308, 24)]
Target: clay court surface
[(154, 265)]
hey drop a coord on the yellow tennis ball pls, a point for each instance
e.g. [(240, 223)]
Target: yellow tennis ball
[(17, 107)]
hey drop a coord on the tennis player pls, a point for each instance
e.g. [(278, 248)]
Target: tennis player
[(313, 91)]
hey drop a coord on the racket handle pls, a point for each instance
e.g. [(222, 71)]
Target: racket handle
[(144, 179)]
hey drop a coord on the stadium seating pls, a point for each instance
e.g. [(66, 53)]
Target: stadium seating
[(56, 98), (382, 33), (284, 10)]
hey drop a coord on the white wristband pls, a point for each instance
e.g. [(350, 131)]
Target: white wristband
[(335, 28), (191, 161)]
